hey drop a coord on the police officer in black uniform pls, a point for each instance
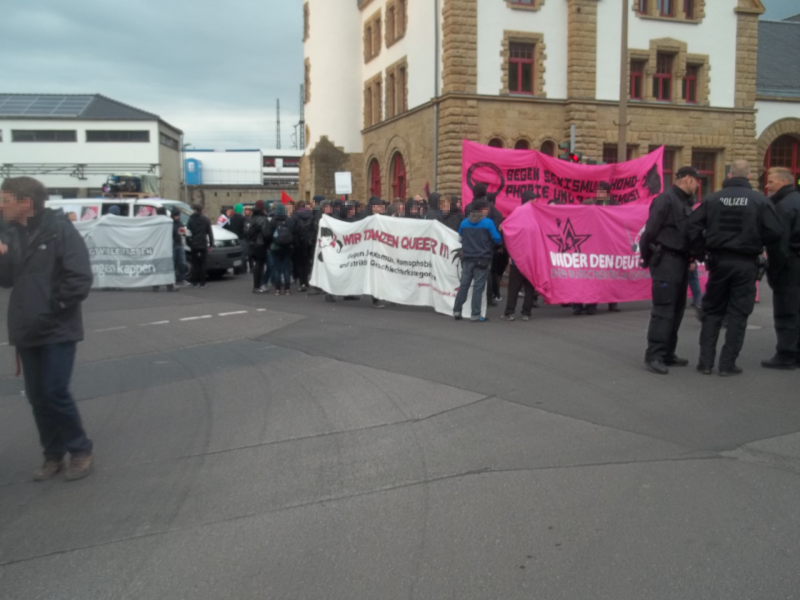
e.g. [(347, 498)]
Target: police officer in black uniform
[(665, 250), (785, 282), (732, 227)]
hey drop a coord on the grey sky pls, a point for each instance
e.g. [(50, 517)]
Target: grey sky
[(780, 9), (211, 68)]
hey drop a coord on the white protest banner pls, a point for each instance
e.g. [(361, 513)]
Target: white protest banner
[(406, 261), (129, 252)]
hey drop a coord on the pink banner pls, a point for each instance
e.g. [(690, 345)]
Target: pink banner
[(512, 172)]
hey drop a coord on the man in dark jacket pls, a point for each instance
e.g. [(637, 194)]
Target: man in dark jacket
[(259, 238), (517, 281), (499, 260), (450, 213), (732, 227), (303, 226), (281, 250), (178, 249), (201, 241), (785, 279), (665, 250), (45, 261), (478, 239)]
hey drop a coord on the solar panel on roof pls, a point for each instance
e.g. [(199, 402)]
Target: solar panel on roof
[(43, 106)]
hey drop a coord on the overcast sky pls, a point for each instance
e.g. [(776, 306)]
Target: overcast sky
[(212, 68)]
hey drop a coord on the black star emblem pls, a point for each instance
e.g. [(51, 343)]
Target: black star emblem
[(568, 240)]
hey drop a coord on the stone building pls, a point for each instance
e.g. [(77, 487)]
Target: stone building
[(518, 73)]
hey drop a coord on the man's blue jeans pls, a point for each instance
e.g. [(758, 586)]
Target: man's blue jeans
[(470, 272), (48, 371), (179, 260), (281, 269)]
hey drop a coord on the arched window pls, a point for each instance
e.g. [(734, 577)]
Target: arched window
[(496, 143), (785, 152), (398, 177), (375, 178), (522, 145), (548, 148)]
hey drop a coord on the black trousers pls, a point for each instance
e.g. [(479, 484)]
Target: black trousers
[(516, 282), (496, 269), (48, 371), (786, 311), (670, 279), (199, 258), (259, 261), (302, 264), (730, 297)]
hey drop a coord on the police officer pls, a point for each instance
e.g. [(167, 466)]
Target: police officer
[(785, 281), (731, 227), (665, 250)]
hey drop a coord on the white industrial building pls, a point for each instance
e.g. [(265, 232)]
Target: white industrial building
[(73, 143)]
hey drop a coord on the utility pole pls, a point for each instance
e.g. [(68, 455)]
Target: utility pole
[(622, 142), (302, 136), (436, 96), (278, 146)]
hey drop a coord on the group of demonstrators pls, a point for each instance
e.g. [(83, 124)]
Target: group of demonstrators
[(45, 261)]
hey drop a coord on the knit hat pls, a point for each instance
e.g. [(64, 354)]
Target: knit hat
[(259, 205), (239, 209)]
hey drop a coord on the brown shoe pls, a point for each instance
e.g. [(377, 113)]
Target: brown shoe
[(49, 469), (80, 466)]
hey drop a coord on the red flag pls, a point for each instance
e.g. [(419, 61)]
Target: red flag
[(286, 198)]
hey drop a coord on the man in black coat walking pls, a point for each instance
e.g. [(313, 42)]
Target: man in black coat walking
[(44, 260), (785, 279)]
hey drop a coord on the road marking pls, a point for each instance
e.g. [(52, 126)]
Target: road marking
[(3, 343), (154, 323), (262, 310), (110, 329), (196, 318), (229, 314)]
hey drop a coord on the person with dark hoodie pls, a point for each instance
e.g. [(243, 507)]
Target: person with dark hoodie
[(303, 226), (478, 239), (518, 281), (281, 251), (259, 237), (201, 241), (450, 213), (44, 260), (178, 247), (434, 206), (412, 209), (500, 258)]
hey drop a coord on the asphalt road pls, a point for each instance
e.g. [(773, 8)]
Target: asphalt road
[(287, 448)]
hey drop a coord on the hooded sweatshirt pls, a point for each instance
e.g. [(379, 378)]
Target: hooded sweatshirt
[(453, 218), (434, 212), (478, 237)]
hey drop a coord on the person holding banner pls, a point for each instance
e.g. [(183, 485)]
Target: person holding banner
[(478, 239), (45, 261), (664, 249), (732, 226), (517, 281)]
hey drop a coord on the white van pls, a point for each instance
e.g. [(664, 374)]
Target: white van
[(226, 253)]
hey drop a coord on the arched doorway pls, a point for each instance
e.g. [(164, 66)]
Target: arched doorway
[(548, 148), (785, 152), (522, 145), (398, 177), (375, 178), (496, 143)]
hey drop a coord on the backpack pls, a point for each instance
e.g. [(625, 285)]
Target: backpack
[(283, 236), (307, 233), (253, 233)]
